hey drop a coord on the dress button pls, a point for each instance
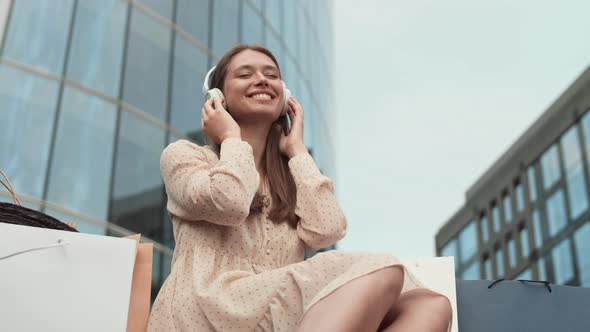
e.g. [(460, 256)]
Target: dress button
[(267, 226), (267, 251)]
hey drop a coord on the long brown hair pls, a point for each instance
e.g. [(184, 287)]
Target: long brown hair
[(281, 183)]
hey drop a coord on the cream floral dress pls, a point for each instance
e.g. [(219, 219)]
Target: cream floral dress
[(236, 271)]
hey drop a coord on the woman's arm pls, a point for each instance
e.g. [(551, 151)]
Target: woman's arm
[(221, 194), (322, 221)]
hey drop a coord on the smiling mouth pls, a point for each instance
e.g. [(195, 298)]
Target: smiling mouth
[(261, 97)]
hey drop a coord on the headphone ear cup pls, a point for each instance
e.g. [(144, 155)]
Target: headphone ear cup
[(216, 94), (286, 96)]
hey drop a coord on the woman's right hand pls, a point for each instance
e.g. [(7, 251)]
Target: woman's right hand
[(217, 123)]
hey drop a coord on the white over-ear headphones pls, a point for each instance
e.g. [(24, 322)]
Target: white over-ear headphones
[(216, 93)]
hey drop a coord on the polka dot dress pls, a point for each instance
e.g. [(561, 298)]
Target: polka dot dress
[(237, 271)]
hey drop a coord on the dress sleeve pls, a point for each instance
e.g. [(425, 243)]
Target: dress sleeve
[(221, 194), (322, 222)]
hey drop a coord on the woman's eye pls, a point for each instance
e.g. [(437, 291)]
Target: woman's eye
[(272, 75), (244, 75)]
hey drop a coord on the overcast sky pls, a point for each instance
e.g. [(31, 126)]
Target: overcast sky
[(429, 93)]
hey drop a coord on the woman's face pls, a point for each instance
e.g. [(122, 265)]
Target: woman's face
[(253, 86)]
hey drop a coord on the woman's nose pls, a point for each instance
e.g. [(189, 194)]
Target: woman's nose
[(261, 79)]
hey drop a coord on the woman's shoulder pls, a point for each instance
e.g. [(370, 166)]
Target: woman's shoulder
[(186, 147)]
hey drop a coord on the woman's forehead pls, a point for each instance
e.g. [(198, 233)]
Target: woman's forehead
[(251, 59)]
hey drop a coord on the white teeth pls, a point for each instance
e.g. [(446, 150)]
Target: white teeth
[(261, 96)]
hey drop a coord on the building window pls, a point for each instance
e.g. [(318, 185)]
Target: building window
[(472, 271), (26, 123), (556, 215), (252, 25), (532, 184), (525, 275), (499, 262), (487, 265), (542, 269), (507, 207), (96, 53), (451, 250), (550, 170), (483, 225), (586, 134), (582, 240), (538, 232), (524, 242), (81, 171), (468, 241), (225, 28), (495, 217), (511, 252), (563, 269), (38, 33), (574, 172), (519, 196), (146, 69)]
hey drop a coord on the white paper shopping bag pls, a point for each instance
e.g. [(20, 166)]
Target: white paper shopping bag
[(54, 280)]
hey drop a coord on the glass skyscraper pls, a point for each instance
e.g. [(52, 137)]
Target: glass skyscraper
[(92, 91), (528, 216)]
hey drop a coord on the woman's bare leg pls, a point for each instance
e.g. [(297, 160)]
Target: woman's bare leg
[(359, 305), (419, 310)]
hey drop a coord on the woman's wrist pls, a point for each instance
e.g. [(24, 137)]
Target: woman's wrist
[(297, 150)]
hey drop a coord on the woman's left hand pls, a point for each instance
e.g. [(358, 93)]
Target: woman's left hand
[(292, 144)]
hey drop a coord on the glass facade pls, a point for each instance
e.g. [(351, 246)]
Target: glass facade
[(536, 199), (92, 91), (582, 247)]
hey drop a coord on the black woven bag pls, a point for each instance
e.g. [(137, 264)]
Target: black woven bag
[(20, 215)]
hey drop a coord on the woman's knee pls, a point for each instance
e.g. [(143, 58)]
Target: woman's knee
[(436, 305), (390, 278)]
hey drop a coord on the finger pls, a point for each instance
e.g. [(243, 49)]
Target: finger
[(218, 104), (207, 104)]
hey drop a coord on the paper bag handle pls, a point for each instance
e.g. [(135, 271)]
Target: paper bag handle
[(8, 186)]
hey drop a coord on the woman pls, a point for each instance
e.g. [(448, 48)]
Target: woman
[(243, 210)]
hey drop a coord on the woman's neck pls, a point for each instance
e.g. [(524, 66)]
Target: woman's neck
[(256, 135)]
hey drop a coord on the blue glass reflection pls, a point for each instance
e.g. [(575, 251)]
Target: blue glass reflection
[(574, 171), (507, 208), (28, 112), (252, 26), (472, 272), (499, 263), (496, 218), (524, 242), (487, 263), (468, 241), (550, 167), (273, 13), (38, 33), (511, 253), (146, 69), (519, 197), (190, 65), (193, 17), (483, 225), (582, 240), (81, 170), (532, 181), (563, 269), (538, 232), (556, 215), (97, 45), (225, 31)]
